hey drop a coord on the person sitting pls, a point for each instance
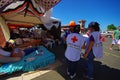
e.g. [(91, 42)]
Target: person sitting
[(18, 41), (49, 40)]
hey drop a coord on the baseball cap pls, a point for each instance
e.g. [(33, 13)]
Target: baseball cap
[(93, 24)]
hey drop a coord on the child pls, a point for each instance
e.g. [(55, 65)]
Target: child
[(93, 48)]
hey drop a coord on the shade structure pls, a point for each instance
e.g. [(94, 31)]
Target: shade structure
[(21, 20), (4, 32), (26, 12), (39, 6)]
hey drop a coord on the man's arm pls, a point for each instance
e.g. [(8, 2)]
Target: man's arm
[(113, 37)]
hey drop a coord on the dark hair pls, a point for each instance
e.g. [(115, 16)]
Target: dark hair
[(76, 29), (7, 48), (94, 25)]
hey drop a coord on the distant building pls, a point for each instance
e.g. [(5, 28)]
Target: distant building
[(82, 26), (66, 27)]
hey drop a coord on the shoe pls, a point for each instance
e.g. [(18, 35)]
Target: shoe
[(89, 78), (72, 76), (111, 49), (118, 49)]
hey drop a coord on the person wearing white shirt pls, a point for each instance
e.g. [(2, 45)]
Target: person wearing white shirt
[(94, 48), (74, 42)]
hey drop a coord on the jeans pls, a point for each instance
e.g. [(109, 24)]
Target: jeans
[(72, 66), (89, 64), (29, 50)]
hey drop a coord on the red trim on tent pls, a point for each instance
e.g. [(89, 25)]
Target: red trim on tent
[(2, 38), (19, 26), (19, 8)]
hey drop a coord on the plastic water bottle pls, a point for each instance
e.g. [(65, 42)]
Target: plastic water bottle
[(37, 52)]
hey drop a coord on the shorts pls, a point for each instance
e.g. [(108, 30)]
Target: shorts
[(116, 41)]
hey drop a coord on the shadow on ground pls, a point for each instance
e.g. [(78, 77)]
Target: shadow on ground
[(102, 72)]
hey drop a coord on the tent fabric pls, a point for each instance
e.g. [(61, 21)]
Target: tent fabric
[(47, 4), (21, 20), (27, 5), (37, 59), (48, 21), (4, 28), (14, 26), (30, 12), (5, 2), (2, 38), (37, 7)]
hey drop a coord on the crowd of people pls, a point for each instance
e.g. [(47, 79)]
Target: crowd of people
[(91, 42), (74, 42), (35, 37), (23, 42)]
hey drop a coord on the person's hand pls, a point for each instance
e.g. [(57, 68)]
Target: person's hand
[(113, 38), (85, 56)]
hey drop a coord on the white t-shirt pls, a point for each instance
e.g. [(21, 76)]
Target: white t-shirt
[(74, 43), (4, 53)]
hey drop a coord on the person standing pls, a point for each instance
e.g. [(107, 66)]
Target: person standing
[(74, 43), (116, 38), (94, 48)]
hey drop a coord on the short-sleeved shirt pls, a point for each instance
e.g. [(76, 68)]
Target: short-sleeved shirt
[(117, 34), (91, 38)]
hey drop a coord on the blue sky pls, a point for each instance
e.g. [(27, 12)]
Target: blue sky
[(105, 12)]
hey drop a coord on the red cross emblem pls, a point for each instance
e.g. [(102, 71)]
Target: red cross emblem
[(74, 39)]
